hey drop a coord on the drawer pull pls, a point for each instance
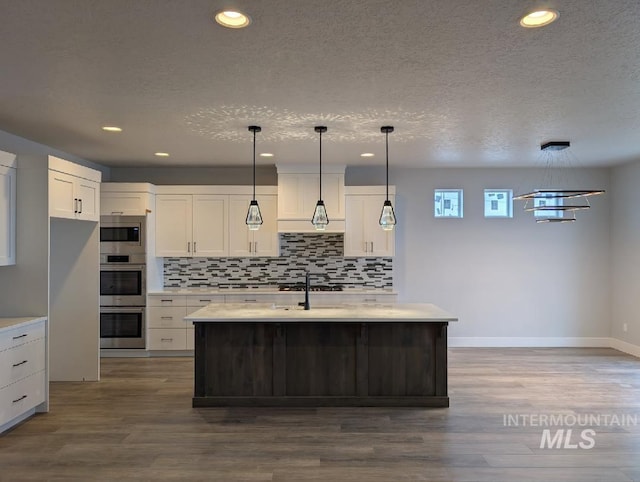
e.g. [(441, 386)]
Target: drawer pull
[(19, 399), (166, 301), (166, 339), (19, 336), (370, 299), (21, 363), (208, 301), (166, 317), (246, 301)]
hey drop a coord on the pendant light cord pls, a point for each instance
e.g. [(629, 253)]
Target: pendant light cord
[(320, 174), (387, 151), (254, 164)]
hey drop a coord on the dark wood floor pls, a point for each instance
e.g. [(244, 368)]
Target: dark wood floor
[(138, 424)]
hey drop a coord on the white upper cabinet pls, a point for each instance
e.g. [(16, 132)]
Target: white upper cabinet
[(299, 191), (74, 191), (7, 208), (244, 242), (213, 225), (363, 235), (126, 198), (210, 225)]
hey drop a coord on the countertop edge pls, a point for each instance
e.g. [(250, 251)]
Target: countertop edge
[(9, 323)]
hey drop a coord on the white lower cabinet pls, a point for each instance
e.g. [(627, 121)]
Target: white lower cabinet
[(22, 371)]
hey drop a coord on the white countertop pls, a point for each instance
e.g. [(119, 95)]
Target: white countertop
[(8, 323), (266, 291), (265, 312)]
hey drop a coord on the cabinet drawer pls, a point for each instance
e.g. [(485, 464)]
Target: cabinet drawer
[(198, 301), (190, 338), (252, 298), (166, 316), (20, 336), (167, 339), (21, 396), (167, 300), (21, 361)]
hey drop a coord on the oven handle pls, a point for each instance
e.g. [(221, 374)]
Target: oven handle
[(122, 267), (122, 309)]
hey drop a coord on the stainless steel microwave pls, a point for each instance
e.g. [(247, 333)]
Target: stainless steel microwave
[(122, 234)]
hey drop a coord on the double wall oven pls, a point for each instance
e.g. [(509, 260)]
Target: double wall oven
[(123, 287)]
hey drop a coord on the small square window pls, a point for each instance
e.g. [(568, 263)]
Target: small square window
[(447, 203), (498, 203), (547, 202)]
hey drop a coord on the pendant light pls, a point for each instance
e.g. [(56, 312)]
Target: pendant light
[(320, 219), (387, 216), (254, 218)]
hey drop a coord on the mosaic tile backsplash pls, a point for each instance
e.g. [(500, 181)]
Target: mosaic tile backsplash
[(320, 254)]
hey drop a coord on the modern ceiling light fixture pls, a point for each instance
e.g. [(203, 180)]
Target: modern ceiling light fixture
[(112, 129), (232, 19), (161, 154), (539, 18), (254, 217), (387, 216), (320, 218), (552, 204)]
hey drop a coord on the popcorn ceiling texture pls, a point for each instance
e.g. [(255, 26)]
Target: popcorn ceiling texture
[(320, 254)]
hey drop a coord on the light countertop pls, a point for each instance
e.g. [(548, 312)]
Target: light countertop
[(267, 312), (266, 291), (8, 323)]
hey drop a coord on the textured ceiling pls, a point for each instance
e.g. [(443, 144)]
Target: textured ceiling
[(461, 81)]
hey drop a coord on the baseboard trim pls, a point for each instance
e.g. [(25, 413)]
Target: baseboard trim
[(625, 347), (528, 342)]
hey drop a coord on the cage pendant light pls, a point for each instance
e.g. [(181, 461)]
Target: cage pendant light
[(320, 218), (387, 216), (254, 217)]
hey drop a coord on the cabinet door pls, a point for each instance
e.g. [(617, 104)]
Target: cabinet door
[(123, 203), (381, 243), (240, 238), (290, 204), (265, 239), (62, 199), (210, 225), (88, 195), (173, 225), (355, 243), (7, 216)]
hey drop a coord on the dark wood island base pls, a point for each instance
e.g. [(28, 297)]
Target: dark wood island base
[(320, 364)]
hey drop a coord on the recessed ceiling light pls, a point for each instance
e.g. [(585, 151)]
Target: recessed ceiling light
[(266, 154), (232, 19), (111, 129), (367, 154), (162, 154), (539, 18)]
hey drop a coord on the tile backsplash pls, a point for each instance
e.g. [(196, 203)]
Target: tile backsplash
[(321, 254)]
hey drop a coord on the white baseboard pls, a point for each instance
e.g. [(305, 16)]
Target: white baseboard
[(625, 347), (535, 341)]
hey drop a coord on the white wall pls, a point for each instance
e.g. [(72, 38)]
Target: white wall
[(501, 277), (625, 240)]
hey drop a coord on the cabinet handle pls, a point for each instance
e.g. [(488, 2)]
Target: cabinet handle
[(166, 317), (250, 247), (75, 205), (166, 339), (371, 247), (19, 336), (205, 301), (166, 301), (366, 246), (18, 364), (194, 247), (18, 399), (188, 246), (248, 301), (80, 203), (370, 300), (255, 246), (117, 212)]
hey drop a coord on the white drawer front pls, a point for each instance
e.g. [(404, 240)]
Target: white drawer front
[(21, 396), (167, 339), (21, 361), (252, 298), (190, 338), (20, 336), (166, 300), (166, 317), (198, 301)]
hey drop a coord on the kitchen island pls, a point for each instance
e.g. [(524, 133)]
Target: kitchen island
[(344, 355)]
